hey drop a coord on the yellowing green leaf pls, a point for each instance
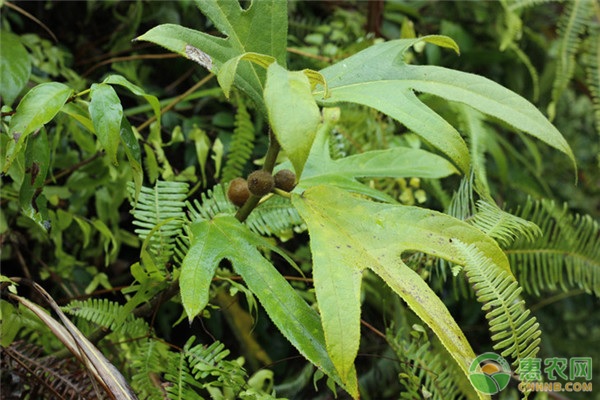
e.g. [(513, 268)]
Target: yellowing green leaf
[(227, 72), (293, 112), (349, 234), (442, 41)]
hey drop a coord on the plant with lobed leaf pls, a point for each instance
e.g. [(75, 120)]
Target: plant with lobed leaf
[(359, 234), (354, 228)]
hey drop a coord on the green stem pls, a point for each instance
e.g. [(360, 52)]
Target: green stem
[(270, 160), (272, 153)]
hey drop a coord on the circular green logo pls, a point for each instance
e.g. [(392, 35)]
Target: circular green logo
[(489, 373)]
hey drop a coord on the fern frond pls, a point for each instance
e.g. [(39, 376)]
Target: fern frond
[(480, 139), (567, 254), (275, 216), (516, 333), (462, 205), (486, 216), (501, 225), (571, 25), (593, 72), (181, 383), (337, 145), (160, 216), (149, 362), (424, 371), (213, 202), (201, 367), (302, 25), (242, 144), (107, 314)]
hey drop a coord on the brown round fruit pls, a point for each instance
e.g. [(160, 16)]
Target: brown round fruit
[(285, 180), (238, 191), (260, 183)]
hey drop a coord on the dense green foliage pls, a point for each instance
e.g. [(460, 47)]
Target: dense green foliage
[(447, 197)]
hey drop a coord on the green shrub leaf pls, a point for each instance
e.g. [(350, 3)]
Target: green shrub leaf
[(349, 234), (138, 91), (36, 108), (133, 153), (293, 113), (106, 112), (15, 67)]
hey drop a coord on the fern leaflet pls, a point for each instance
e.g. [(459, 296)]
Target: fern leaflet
[(566, 254), (516, 333), (160, 216), (148, 362), (501, 225), (106, 313), (276, 216), (201, 367), (424, 372)]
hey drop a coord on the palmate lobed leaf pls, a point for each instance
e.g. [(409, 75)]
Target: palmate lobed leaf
[(321, 169), (225, 237), (261, 28), (379, 78), (349, 234)]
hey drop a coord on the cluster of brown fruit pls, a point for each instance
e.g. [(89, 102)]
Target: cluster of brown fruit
[(260, 183)]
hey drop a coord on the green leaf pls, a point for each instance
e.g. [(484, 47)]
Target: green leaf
[(152, 100), (134, 154), (349, 234), (442, 41), (15, 67), (293, 113), (373, 77), (227, 73), (489, 98), (395, 162), (81, 114), (261, 28), (298, 322), (37, 162), (106, 112), (378, 77), (36, 108)]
